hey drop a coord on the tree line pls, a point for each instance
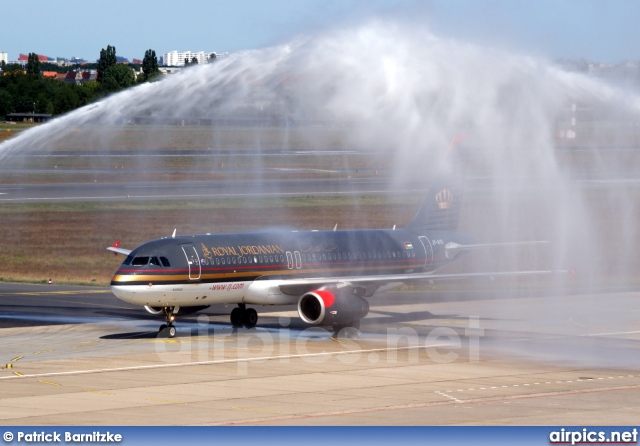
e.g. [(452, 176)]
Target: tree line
[(27, 91)]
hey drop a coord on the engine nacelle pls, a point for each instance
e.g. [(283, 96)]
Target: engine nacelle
[(156, 311), (327, 307), (153, 310)]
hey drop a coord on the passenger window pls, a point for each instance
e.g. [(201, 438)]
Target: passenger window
[(217, 261), (224, 261), (233, 259)]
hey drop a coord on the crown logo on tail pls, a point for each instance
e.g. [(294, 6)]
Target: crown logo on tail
[(444, 198)]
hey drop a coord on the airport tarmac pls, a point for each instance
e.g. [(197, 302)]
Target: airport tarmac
[(79, 356)]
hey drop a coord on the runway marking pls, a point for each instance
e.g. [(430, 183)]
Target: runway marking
[(98, 391), (256, 409), (587, 335), (422, 406), (453, 398), (48, 382), (568, 381), (17, 374), (220, 361), (48, 293), (166, 401), (85, 344), (213, 195), (42, 351), (17, 358)]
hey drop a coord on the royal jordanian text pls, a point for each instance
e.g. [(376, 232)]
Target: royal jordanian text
[(68, 437)]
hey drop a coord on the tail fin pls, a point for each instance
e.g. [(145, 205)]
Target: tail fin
[(440, 209)]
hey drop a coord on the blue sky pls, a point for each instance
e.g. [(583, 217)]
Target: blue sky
[(599, 30)]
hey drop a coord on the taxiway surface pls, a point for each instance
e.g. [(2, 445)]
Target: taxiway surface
[(79, 356)]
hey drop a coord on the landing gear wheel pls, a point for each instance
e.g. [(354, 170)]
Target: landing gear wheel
[(167, 331), (236, 317), (250, 318)]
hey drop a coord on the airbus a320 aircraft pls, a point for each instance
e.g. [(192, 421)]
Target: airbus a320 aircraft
[(329, 274)]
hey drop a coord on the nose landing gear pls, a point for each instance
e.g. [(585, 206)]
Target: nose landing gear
[(168, 330)]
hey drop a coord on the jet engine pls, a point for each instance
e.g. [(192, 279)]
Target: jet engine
[(153, 310), (329, 307), (180, 310)]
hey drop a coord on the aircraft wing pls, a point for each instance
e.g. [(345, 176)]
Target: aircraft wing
[(116, 250), (300, 286), (452, 249)]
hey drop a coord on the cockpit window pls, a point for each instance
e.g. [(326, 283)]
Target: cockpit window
[(146, 260)]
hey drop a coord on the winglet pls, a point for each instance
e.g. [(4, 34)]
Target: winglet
[(116, 250)]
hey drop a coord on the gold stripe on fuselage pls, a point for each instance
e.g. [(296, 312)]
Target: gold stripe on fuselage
[(123, 278)]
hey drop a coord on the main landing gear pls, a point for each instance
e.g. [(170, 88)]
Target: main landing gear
[(168, 330), (241, 315), (349, 331)]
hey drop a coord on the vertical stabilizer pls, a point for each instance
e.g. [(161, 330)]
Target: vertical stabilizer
[(440, 209)]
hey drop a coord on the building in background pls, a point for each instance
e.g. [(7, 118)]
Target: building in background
[(25, 58), (177, 59), (4, 57)]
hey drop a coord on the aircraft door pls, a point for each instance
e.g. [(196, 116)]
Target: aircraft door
[(289, 260), (298, 259), (428, 251), (193, 260)]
